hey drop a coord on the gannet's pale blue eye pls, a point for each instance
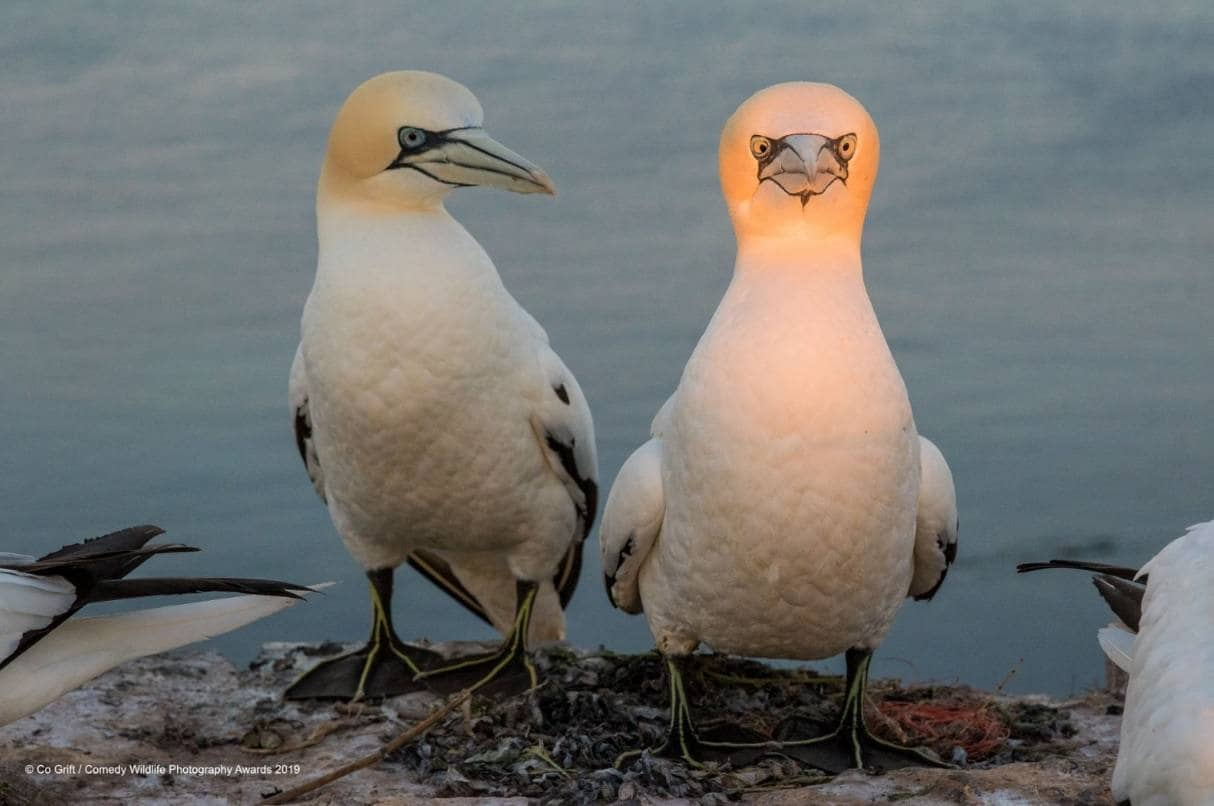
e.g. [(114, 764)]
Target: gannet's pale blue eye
[(411, 138), (760, 146)]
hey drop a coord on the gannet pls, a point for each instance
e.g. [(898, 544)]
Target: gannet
[(785, 505), (44, 652), (433, 417), (1164, 640)]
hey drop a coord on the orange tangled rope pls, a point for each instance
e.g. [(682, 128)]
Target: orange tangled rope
[(976, 727)]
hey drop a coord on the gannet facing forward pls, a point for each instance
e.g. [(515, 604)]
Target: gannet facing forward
[(434, 419), (774, 512), (44, 652), (1165, 642)]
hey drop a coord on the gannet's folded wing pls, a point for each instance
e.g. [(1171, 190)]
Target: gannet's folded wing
[(632, 520), (564, 430), (1118, 645), (935, 523), (564, 433), (301, 422)]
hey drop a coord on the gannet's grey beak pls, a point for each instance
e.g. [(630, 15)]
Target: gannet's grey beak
[(465, 157)]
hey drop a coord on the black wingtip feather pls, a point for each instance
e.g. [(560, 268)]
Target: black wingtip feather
[(439, 572), (110, 590), (64, 564), (129, 539), (590, 489), (1123, 597), (569, 573), (1079, 565)]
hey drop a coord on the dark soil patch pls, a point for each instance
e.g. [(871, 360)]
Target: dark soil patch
[(558, 743)]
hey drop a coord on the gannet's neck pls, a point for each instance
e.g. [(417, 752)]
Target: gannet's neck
[(810, 254), (344, 220), (362, 247), (374, 196)]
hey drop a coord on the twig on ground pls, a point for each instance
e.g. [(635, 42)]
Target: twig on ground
[(373, 758)]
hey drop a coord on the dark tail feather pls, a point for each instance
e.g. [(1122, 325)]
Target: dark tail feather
[(438, 571), (109, 590), (1124, 598), (111, 556), (567, 575), (1096, 568), (118, 558), (120, 541)]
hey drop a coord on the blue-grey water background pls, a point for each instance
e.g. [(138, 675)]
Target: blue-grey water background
[(1038, 250)]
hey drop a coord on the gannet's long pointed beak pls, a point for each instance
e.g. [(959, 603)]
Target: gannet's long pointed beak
[(466, 157)]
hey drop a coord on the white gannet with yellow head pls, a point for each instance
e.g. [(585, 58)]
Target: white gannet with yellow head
[(433, 417), (785, 505)]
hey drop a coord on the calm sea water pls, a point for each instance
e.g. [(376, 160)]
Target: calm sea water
[(1038, 250)]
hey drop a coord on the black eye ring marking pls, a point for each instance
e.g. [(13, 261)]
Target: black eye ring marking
[(842, 148), (760, 146), (414, 140)]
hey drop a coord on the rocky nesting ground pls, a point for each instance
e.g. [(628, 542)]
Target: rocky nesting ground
[(211, 733)]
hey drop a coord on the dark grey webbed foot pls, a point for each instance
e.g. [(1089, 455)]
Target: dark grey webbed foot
[(850, 744), (719, 742), (505, 672), (385, 667), (380, 669)]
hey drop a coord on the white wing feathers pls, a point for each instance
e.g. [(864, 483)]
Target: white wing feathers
[(29, 602), (1117, 641), (82, 648), (935, 524), (661, 420), (632, 520)]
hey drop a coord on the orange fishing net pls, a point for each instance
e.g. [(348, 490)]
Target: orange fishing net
[(976, 727)]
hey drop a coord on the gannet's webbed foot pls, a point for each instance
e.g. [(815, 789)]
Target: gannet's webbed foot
[(843, 749), (385, 667), (851, 744), (382, 668), (685, 742), (504, 672)]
